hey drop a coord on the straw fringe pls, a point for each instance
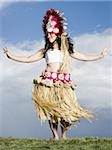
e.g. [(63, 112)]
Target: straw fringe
[(57, 101)]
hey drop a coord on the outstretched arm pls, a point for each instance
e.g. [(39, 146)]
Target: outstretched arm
[(24, 59), (92, 57)]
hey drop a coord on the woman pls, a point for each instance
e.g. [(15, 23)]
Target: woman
[(53, 92)]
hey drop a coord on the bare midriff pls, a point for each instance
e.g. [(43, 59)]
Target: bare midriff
[(55, 67)]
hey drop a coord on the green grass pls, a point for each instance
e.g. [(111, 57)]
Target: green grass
[(87, 143)]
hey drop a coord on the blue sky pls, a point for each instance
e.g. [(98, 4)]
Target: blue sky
[(90, 26), (23, 20)]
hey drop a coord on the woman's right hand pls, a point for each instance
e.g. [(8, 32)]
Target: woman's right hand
[(6, 51)]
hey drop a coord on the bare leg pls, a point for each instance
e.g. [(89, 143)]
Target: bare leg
[(64, 128), (54, 128)]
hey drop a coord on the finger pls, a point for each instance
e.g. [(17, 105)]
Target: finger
[(105, 49), (105, 52), (5, 50)]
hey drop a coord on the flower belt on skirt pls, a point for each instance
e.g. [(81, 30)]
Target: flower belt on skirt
[(57, 79), (56, 76)]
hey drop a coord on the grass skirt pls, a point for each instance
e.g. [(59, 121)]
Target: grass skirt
[(55, 100)]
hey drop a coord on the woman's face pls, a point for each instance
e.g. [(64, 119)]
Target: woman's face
[(52, 37)]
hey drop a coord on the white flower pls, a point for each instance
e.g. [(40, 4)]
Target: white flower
[(65, 27), (54, 75), (50, 29), (61, 76)]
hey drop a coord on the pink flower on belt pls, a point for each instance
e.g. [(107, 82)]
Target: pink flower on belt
[(61, 76), (48, 74), (54, 75), (67, 77)]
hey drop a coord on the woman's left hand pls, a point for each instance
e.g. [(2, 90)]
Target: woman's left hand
[(103, 53)]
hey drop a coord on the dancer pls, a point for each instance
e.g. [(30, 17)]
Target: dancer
[(53, 91)]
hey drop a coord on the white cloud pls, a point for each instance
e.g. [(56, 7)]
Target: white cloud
[(93, 78)]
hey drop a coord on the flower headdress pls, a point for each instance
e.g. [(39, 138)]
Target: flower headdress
[(53, 22)]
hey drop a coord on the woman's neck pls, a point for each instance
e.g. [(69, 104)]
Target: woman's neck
[(55, 45)]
